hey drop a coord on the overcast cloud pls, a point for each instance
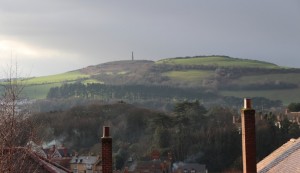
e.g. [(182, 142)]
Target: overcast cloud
[(54, 36)]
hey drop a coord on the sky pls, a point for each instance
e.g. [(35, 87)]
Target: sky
[(54, 36)]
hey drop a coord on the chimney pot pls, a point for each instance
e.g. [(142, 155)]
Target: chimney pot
[(106, 151), (247, 103), (105, 131)]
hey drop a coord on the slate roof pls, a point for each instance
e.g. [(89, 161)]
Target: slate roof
[(284, 159), (90, 160)]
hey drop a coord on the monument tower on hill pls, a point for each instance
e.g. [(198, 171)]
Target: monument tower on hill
[(132, 58)]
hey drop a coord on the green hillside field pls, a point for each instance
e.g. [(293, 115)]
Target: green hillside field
[(190, 76), (38, 87), (58, 78), (221, 61)]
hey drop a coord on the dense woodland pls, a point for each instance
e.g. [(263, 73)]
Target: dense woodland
[(190, 131), (151, 96), (129, 92)]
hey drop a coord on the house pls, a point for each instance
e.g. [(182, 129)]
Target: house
[(20, 159), (293, 116), (57, 152), (86, 164), (60, 155), (284, 159)]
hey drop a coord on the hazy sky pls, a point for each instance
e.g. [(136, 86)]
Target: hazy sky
[(54, 36)]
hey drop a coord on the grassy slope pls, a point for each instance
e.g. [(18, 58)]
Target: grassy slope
[(218, 61), (38, 87), (58, 78)]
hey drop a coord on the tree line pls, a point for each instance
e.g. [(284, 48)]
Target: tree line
[(271, 85), (126, 92)]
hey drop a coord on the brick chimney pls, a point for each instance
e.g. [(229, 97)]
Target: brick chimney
[(248, 137), (106, 151)]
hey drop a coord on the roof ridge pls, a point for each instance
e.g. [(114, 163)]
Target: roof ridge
[(50, 162)]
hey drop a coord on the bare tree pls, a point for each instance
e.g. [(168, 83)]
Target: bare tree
[(16, 128)]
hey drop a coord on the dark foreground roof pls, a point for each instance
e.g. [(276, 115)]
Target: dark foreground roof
[(21, 159), (284, 159)]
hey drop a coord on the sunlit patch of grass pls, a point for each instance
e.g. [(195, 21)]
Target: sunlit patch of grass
[(190, 75), (109, 73), (64, 77), (89, 81), (122, 72)]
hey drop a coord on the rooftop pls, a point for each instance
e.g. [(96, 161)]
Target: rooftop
[(284, 159), (84, 159)]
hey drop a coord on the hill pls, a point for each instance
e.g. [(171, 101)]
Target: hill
[(220, 74)]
